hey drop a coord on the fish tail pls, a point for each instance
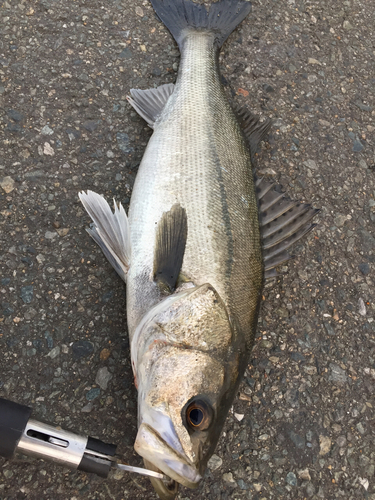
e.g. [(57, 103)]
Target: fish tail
[(180, 16)]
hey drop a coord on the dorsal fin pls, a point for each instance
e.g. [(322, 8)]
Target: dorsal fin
[(282, 223), (171, 235), (150, 103), (254, 130)]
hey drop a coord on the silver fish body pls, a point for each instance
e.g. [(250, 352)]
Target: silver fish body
[(191, 331)]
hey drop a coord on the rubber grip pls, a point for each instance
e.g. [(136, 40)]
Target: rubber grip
[(95, 466), (13, 420), (94, 444)]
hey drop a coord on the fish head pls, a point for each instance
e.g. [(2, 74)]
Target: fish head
[(187, 371)]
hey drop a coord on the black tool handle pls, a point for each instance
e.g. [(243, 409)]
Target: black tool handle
[(13, 420)]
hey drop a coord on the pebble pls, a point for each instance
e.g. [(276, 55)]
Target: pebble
[(361, 307), (304, 474), (291, 479), (311, 164), (103, 377), (139, 11), (48, 149), (228, 477), (91, 125), (123, 142), (214, 462), (299, 441), (357, 146), (54, 352), (27, 293), (125, 54), (93, 394), (7, 183), (82, 349), (364, 268), (325, 444), (337, 375), (14, 115), (46, 130), (104, 354)]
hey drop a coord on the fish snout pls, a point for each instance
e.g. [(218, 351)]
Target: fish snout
[(157, 450)]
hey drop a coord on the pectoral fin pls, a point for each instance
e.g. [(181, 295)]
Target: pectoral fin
[(110, 230), (171, 235)]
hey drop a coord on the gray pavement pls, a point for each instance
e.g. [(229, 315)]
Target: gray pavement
[(302, 425)]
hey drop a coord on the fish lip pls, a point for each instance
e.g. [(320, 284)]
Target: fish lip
[(173, 464)]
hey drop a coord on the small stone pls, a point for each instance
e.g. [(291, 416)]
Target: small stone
[(228, 477), (50, 235), (27, 293), (325, 445), (123, 142), (291, 479), (14, 115), (48, 149), (311, 164), (311, 60), (360, 428), (364, 482), (82, 349), (361, 307), (46, 130), (7, 183), (91, 125), (340, 220), (139, 11), (87, 408), (337, 375), (304, 474), (242, 485), (93, 394), (257, 487), (346, 25), (54, 352), (239, 416), (214, 462), (8, 473), (364, 268), (357, 146), (63, 231), (341, 441), (298, 440), (103, 377), (104, 354), (126, 54)]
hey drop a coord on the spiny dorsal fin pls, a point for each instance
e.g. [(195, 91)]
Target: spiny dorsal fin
[(254, 130), (150, 103), (282, 223), (171, 235)]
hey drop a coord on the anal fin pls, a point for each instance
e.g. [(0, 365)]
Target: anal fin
[(171, 236), (150, 103)]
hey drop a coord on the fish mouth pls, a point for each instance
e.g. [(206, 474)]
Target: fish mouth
[(157, 452)]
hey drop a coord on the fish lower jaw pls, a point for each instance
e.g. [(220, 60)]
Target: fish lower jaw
[(154, 450)]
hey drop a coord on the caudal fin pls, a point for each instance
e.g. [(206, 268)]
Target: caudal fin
[(221, 19)]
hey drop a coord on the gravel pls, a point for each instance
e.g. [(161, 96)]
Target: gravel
[(301, 425)]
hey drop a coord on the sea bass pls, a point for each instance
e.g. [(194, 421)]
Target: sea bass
[(190, 250)]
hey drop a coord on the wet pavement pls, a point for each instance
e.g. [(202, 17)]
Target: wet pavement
[(302, 425)]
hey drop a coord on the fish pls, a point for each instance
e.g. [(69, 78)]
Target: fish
[(201, 236)]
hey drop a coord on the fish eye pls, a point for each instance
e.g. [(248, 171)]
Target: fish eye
[(199, 415)]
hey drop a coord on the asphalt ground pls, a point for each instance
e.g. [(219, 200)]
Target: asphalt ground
[(302, 425)]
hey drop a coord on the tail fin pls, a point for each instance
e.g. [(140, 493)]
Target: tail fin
[(221, 19)]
